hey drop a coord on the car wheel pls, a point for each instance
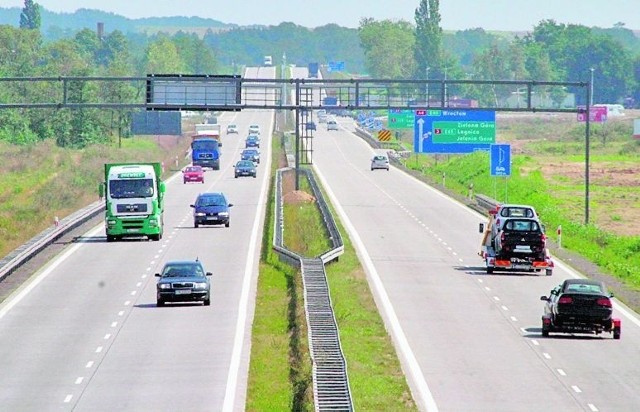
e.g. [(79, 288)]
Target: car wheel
[(184, 182), (111, 238), (489, 271), (155, 238), (160, 302), (195, 224), (206, 302), (545, 330), (254, 176), (236, 176), (616, 332), (548, 272), (226, 224)]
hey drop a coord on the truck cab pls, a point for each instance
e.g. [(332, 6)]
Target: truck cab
[(134, 200)]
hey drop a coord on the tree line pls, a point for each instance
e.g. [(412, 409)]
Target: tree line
[(382, 49)]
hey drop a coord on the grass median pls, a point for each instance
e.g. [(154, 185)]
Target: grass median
[(280, 370)]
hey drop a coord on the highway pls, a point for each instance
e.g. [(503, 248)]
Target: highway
[(85, 334), (468, 341)]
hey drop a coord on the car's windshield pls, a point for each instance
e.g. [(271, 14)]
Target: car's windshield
[(128, 188), (204, 145), (245, 163), (211, 200), (183, 270)]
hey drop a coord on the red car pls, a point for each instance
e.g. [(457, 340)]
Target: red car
[(193, 174)]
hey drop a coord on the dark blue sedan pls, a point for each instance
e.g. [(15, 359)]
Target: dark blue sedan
[(245, 168), (252, 141), (183, 281), (211, 209)]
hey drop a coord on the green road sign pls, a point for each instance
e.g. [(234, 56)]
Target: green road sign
[(463, 132), (401, 119)]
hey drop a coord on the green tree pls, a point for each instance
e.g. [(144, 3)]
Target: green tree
[(30, 16), (388, 48), (428, 43), (162, 56)]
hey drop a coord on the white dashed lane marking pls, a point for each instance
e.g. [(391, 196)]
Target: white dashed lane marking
[(576, 389)]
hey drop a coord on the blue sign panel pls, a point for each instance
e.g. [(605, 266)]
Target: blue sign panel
[(500, 160), (453, 131), (335, 66)]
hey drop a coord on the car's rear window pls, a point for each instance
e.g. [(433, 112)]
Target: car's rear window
[(194, 169), (583, 288), (516, 212), (379, 158), (522, 225)]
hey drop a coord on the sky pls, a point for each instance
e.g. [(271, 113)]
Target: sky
[(506, 15)]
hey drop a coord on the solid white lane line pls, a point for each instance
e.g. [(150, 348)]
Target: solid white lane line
[(10, 302), (576, 389), (67, 398), (425, 398), (243, 303)]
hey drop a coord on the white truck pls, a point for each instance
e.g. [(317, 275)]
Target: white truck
[(209, 130)]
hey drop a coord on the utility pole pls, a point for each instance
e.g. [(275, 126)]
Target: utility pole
[(591, 86)]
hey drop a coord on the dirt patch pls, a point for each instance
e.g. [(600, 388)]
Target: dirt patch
[(296, 197)]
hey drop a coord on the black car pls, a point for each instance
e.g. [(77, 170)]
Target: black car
[(183, 281), (579, 306), (245, 168), (211, 209), (251, 154), (252, 141)]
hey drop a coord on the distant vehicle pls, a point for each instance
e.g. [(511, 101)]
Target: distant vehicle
[(613, 110), (251, 154), (268, 61), (313, 70), (580, 306), (193, 174), (232, 128), (183, 281), (205, 152), (245, 168), (332, 125), (211, 209), (310, 126), (380, 161), (521, 238), (252, 141), (254, 129)]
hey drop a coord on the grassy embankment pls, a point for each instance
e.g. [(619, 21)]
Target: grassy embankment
[(280, 371), (548, 173), (42, 181)]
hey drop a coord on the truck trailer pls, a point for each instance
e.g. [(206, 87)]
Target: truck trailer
[(133, 194)]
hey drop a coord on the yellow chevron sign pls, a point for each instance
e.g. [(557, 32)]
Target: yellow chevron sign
[(384, 135)]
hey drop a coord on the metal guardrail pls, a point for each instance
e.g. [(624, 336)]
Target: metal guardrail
[(331, 390), (21, 255)]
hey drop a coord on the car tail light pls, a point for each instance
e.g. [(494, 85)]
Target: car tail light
[(604, 302), (565, 300), (498, 223)]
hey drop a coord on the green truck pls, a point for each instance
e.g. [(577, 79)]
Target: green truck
[(133, 194)]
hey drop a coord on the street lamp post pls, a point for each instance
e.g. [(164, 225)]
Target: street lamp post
[(426, 85), (591, 86)]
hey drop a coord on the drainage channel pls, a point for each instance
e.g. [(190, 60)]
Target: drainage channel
[(330, 380)]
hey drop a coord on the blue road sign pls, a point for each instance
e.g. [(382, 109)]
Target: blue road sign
[(335, 66), (453, 131), (500, 160)]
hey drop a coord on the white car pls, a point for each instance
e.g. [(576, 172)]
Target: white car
[(380, 161), (254, 129), (232, 128), (332, 125)]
